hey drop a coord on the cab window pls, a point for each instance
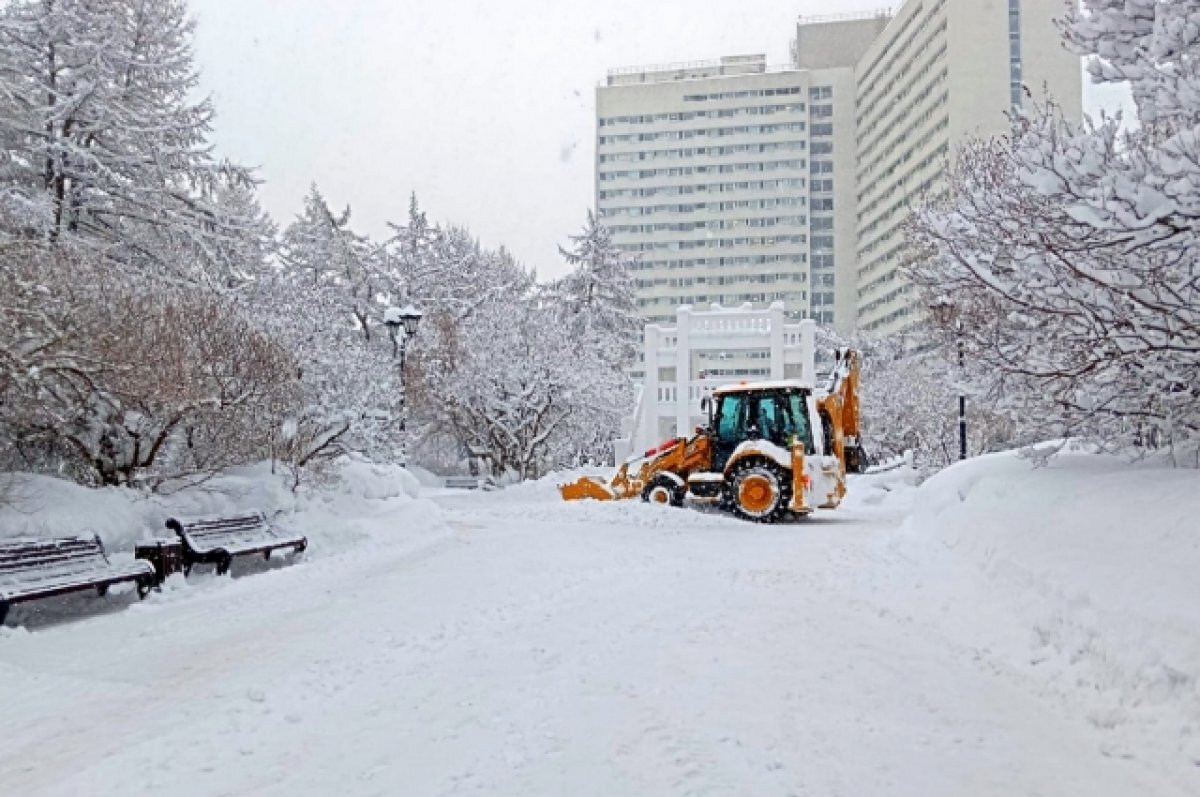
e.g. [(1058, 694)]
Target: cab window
[(729, 417), (798, 418)]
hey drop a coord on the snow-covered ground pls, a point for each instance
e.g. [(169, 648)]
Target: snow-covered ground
[(1002, 630)]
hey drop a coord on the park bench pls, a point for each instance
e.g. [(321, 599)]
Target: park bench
[(463, 482), (218, 540), (34, 569)]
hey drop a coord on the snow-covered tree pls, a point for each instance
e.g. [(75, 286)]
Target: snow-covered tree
[(116, 385), (447, 271), (500, 385), (597, 296), (326, 299), (102, 141), (1069, 254)]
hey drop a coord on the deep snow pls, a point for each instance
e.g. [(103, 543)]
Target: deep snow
[(1002, 630)]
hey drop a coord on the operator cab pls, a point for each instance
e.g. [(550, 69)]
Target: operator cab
[(776, 412)]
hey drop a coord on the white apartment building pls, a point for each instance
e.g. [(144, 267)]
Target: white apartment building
[(942, 71), (703, 171), (738, 182)]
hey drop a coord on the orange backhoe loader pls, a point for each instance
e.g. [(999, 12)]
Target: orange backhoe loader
[(770, 449)]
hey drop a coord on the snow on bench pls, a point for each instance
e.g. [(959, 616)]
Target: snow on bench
[(217, 540), (34, 569)]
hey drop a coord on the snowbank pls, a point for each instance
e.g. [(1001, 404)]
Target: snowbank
[(1096, 559), (362, 500)]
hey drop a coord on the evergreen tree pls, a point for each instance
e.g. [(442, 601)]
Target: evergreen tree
[(597, 297), (102, 142)]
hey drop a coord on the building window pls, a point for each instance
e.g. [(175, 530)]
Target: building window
[(1014, 51), (820, 93), (822, 129), (822, 148), (821, 111)]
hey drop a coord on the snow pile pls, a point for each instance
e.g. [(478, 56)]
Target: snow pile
[(546, 488), (892, 489), (1090, 580), (363, 500), (364, 479)]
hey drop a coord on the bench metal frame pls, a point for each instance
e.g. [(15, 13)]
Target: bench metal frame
[(217, 540)]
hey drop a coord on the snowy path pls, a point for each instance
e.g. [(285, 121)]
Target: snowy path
[(545, 650)]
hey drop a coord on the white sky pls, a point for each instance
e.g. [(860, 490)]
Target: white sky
[(485, 109)]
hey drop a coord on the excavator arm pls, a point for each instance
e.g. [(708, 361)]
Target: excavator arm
[(840, 400)]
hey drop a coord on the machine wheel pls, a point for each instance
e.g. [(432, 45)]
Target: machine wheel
[(662, 490), (759, 491)]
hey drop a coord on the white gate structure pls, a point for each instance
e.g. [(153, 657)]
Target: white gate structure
[(791, 352)]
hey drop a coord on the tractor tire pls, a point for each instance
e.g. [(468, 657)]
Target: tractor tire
[(663, 490), (759, 491)]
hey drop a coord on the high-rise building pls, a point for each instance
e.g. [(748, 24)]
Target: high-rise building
[(702, 171), (941, 72), (723, 176), (735, 181), (828, 48)]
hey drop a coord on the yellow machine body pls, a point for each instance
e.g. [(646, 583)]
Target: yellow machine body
[(758, 479)]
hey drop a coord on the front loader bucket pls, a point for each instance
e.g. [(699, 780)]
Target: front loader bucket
[(587, 487)]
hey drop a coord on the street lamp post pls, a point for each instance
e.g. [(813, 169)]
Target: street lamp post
[(946, 314), (402, 323)]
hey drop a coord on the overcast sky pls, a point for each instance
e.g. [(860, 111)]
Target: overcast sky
[(485, 109)]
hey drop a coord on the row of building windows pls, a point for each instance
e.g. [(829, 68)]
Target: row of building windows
[(756, 261), (715, 188), (701, 132), (1014, 51), (732, 149), (723, 298), (869, 140), (696, 207), (782, 91), (939, 154), (875, 115), (692, 226), (870, 261), (724, 279), (687, 116), (727, 168), (716, 243), (904, 311), (867, 208), (870, 90)]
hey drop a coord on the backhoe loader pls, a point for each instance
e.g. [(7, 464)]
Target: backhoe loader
[(769, 449)]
